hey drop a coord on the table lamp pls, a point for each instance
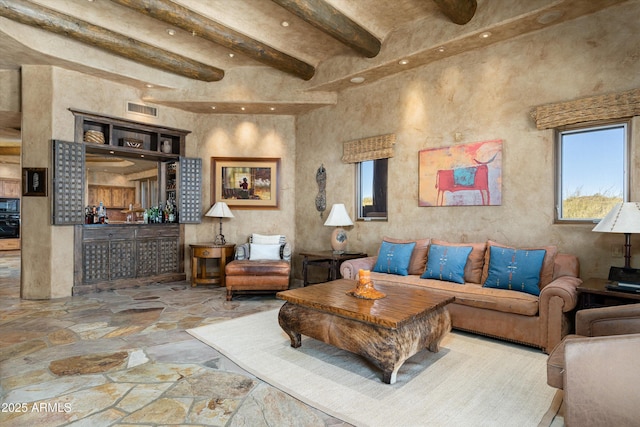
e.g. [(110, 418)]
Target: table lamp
[(338, 217), (623, 218), (219, 210)]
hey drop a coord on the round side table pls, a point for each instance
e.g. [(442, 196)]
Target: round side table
[(200, 252)]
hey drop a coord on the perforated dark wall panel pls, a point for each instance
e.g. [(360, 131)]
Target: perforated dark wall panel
[(68, 183), (190, 192)]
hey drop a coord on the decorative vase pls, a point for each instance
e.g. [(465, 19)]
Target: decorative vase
[(166, 146)]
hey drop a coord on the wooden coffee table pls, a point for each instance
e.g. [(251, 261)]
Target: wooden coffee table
[(386, 331)]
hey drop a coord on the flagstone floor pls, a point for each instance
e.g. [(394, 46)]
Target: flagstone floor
[(122, 358)]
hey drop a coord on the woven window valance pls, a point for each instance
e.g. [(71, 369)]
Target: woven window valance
[(372, 148), (603, 107)]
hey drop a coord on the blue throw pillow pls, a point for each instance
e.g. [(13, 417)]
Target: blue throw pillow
[(394, 258), (446, 263), (515, 269)]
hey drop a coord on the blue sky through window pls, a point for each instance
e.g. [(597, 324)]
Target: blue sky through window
[(366, 179), (593, 162)]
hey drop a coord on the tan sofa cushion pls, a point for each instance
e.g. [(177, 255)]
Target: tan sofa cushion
[(546, 273), (475, 262), (471, 294), (418, 260)]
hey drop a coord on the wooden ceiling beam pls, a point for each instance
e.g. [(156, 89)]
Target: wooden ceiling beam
[(333, 22), (459, 11), (201, 26), (41, 17)]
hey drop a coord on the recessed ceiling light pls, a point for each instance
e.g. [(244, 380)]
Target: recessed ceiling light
[(272, 108), (242, 108), (285, 23), (442, 49), (485, 35), (149, 85), (403, 62), (171, 31), (141, 155), (213, 107), (231, 55), (357, 80)]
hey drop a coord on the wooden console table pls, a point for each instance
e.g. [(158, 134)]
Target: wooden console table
[(204, 251), (326, 259)]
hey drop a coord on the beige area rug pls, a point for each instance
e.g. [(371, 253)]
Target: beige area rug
[(471, 381)]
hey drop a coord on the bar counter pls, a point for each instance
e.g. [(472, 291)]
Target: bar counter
[(114, 256)]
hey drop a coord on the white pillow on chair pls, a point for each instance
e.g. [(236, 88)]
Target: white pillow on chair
[(258, 251), (261, 239)]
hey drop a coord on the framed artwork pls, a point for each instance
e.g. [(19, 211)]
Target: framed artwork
[(461, 175), (34, 182), (245, 182)]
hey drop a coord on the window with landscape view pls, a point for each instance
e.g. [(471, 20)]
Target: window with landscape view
[(592, 171), (371, 177)]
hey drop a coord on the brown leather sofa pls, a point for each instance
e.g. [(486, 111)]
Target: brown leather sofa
[(539, 321), (250, 273), (598, 368)]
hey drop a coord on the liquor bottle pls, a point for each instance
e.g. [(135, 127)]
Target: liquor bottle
[(101, 213), (171, 211)]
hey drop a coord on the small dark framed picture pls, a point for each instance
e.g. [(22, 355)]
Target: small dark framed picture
[(34, 182)]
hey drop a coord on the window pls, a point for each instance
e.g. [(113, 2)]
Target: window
[(371, 185), (592, 171)]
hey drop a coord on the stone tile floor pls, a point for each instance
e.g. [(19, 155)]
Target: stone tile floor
[(123, 358)]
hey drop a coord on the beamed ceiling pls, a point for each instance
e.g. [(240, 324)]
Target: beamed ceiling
[(266, 56)]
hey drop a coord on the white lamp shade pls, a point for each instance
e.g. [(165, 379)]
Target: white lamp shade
[(219, 210), (338, 217), (623, 218)]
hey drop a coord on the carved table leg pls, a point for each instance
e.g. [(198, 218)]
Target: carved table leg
[(287, 324)]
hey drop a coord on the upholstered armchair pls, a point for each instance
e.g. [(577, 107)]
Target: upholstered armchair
[(262, 264), (598, 367)]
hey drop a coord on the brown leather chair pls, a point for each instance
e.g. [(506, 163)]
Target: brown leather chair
[(602, 381), (598, 367), (251, 273)]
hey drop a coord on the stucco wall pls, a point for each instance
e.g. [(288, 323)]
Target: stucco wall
[(212, 136), (247, 136), (483, 95), (36, 235), (48, 93)]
